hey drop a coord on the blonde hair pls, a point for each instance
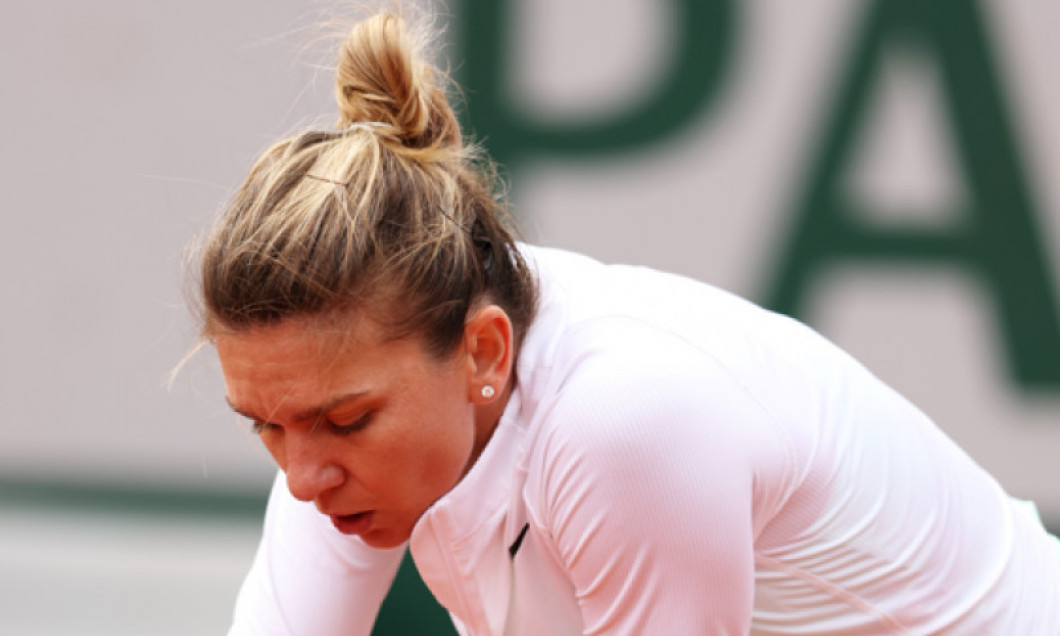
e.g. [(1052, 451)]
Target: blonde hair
[(392, 207)]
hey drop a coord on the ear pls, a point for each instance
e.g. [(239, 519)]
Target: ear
[(489, 343)]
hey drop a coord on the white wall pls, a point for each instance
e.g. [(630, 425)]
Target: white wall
[(126, 125)]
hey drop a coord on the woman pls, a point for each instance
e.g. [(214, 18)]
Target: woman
[(565, 447)]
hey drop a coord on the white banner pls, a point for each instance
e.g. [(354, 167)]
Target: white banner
[(883, 169)]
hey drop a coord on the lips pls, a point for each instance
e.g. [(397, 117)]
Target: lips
[(357, 523)]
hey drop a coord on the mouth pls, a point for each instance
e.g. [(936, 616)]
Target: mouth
[(357, 523)]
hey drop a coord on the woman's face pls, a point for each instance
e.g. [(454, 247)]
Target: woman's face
[(372, 431)]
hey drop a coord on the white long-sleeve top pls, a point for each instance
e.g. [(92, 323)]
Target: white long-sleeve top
[(679, 461)]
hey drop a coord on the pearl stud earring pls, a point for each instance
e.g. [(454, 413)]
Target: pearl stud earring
[(488, 391)]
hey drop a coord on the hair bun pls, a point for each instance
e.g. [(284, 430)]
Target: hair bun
[(380, 78)]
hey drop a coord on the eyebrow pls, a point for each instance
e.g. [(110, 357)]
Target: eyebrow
[(309, 413)]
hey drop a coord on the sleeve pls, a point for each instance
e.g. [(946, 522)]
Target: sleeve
[(307, 579), (648, 491)]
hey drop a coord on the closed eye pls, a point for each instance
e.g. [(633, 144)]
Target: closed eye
[(259, 427), (360, 423)]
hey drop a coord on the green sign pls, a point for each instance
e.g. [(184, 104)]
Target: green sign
[(995, 240)]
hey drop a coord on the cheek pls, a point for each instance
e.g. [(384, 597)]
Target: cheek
[(445, 441), (273, 441)]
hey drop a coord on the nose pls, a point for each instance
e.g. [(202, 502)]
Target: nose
[(310, 472)]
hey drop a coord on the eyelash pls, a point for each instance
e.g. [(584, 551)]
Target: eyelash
[(357, 425), (258, 426)]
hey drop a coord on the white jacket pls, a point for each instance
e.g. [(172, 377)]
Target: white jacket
[(684, 462)]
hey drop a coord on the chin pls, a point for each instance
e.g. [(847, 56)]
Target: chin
[(385, 539)]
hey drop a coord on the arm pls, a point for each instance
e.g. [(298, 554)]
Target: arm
[(649, 488), (309, 579)]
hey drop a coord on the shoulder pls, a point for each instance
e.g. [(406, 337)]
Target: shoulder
[(618, 368), (642, 477), (637, 409)]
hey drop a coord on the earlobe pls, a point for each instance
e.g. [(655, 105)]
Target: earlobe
[(489, 341)]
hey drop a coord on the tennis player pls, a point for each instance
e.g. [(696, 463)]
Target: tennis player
[(566, 447)]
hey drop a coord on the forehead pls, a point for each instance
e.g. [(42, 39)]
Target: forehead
[(299, 362), (302, 341)]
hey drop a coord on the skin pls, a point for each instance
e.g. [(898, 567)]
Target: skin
[(363, 424)]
